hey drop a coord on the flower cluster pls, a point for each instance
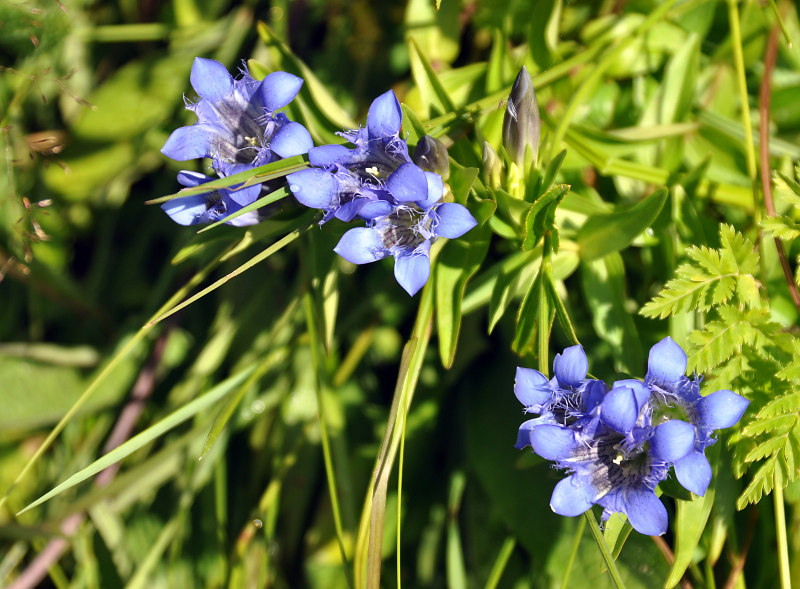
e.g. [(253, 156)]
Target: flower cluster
[(238, 128), (377, 181), (619, 442)]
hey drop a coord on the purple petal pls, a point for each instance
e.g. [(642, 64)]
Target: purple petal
[(374, 209), (645, 512), (454, 221), (672, 440), (290, 140), (314, 188), (435, 190), (571, 367), (190, 179), (278, 89), (327, 155), (187, 210), (412, 271), (408, 183), (384, 117), (210, 79), (531, 387), (593, 394), (361, 246), (619, 409), (640, 391), (553, 442), (694, 472), (667, 362), (524, 433), (721, 409), (348, 211), (570, 499), (188, 143)]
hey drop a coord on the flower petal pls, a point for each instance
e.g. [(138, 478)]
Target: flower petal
[(694, 472), (188, 143), (553, 442), (187, 210), (640, 391), (210, 79), (672, 440), (189, 179), (619, 409), (327, 155), (278, 89), (571, 499), (454, 220), (361, 245), (435, 190), (374, 209), (667, 362), (408, 183), (385, 116), (721, 409), (645, 512), (531, 387), (593, 394), (571, 367), (412, 271), (524, 433), (314, 188), (291, 139)]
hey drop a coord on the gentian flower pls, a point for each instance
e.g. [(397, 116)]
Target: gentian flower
[(236, 119), (377, 181), (213, 206), (618, 444), (676, 395)]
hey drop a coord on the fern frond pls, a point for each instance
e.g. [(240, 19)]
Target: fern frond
[(711, 278), (760, 485), (779, 425), (782, 405), (782, 227)]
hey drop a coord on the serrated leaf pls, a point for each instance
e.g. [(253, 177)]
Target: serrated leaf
[(782, 226), (604, 234)]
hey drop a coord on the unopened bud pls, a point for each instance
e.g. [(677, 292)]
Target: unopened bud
[(521, 121), (492, 166), (431, 155)]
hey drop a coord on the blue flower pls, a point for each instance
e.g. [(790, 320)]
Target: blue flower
[(236, 119), (377, 181), (618, 444), (676, 395), (405, 232), (378, 170), (213, 206)]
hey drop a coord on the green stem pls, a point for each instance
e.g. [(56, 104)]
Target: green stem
[(780, 531), (323, 427), (543, 348), (501, 562), (573, 553), (402, 416), (604, 551), (741, 83)]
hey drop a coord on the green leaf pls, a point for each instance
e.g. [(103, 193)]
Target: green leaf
[(265, 200), (690, 521), (458, 262), (150, 434), (431, 88), (604, 234), (541, 217), (603, 283)]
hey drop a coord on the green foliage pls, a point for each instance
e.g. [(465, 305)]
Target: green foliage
[(711, 278)]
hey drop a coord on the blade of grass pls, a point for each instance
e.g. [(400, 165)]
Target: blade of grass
[(270, 198), (500, 563), (601, 544), (153, 432)]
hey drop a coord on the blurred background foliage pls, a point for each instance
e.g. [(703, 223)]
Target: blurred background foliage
[(90, 91)]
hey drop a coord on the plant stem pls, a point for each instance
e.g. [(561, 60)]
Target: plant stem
[(604, 551), (780, 531), (323, 428), (750, 150)]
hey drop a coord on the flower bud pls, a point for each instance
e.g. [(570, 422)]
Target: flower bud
[(521, 121), (492, 166), (431, 155)]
